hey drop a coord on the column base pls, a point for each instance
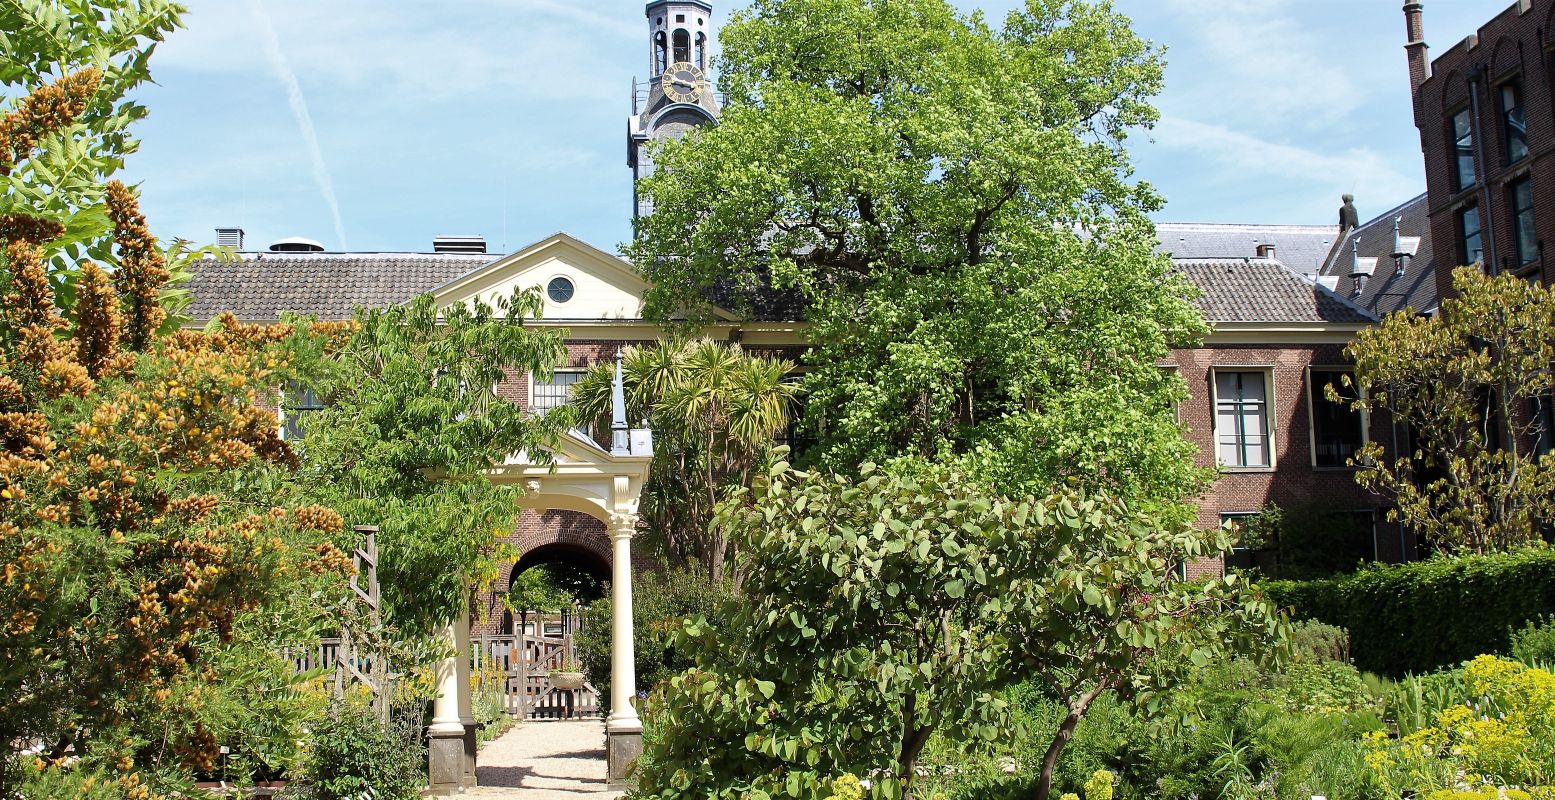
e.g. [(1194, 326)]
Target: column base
[(470, 747), (622, 749), (445, 761)]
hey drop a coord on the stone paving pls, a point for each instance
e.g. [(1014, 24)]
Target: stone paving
[(545, 760)]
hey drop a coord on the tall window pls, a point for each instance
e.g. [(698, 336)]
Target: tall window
[(297, 403), (1242, 418), (1513, 123), (550, 394), (660, 52), (682, 46), (1338, 430), (701, 61), (1523, 230), (1471, 249), (1463, 148)]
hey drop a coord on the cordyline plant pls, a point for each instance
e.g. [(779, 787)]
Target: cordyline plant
[(1473, 385), (716, 412), (880, 611)]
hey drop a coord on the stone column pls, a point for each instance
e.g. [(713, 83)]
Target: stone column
[(623, 730), (466, 703), (445, 736)]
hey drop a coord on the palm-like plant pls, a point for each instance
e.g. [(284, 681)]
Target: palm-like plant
[(716, 413)]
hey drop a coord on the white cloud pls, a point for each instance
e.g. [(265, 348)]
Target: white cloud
[(1359, 171), (1268, 67)]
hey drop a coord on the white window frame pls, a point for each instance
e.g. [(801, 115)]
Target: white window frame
[(1270, 413), (579, 371), (1312, 397)]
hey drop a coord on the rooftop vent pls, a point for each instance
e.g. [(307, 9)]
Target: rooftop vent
[(229, 237), (296, 244), (1361, 269), (1266, 251), (459, 244)]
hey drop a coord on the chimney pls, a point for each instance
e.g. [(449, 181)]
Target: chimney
[(459, 244), (1400, 255), (1348, 216), (1415, 46), (1266, 251), (1361, 269), (229, 237)]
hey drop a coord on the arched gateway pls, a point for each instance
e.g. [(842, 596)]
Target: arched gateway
[(605, 484)]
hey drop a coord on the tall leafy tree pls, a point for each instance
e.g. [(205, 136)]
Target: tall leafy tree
[(716, 413), (413, 423), (953, 201), (880, 611), (1474, 387)]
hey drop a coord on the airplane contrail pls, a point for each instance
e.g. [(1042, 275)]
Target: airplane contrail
[(299, 104)]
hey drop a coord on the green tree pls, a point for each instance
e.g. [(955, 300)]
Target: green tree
[(715, 412), (413, 423), (879, 611), (952, 200), (59, 172), (1469, 383)]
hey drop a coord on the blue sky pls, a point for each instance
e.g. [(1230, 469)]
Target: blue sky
[(507, 118)]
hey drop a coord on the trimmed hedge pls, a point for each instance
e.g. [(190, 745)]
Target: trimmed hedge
[(1413, 618)]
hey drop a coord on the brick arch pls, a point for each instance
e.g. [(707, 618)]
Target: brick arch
[(1455, 89), (558, 527), (1505, 56)]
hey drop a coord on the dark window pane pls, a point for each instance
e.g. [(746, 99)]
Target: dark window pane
[(1512, 120), (682, 46), (1523, 229), (1543, 425), (1472, 251), (1337, 428), (296, 405), (1463, 148)]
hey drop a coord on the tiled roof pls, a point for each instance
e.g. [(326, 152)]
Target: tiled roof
[(1303, 248), (328, 285), (1264, 290), (1386, 291)]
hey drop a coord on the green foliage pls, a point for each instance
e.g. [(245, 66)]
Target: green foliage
[(351, 754), (715, 412), (1463, 381), (412, 426), (63, 180), (878, 612), (1535, 643), (537, 589), (952, 202), (1315, 642), (1307, 541), (662, 602), (1429, 614), (1236, 731)]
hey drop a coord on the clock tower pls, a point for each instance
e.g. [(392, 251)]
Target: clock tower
[(677, 96)]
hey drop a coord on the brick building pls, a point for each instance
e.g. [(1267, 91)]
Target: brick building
[(1283, 299), (1487, 130)]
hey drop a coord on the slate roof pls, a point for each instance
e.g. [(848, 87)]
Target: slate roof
[(1264, 290), (1303, 248), (1386, 291), (327, 285)]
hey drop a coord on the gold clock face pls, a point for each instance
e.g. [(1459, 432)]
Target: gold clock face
[(682, 82)]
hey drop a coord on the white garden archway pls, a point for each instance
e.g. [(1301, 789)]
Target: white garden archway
[(606, 484)]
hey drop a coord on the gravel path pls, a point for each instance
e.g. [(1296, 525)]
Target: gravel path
[(545, 760)]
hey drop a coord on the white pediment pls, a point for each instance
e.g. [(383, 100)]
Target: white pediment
[(604, 286)]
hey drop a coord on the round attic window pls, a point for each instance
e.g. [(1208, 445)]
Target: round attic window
[(559, 290)]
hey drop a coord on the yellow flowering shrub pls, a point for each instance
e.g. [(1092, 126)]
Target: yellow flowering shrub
[(1501, 745)]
